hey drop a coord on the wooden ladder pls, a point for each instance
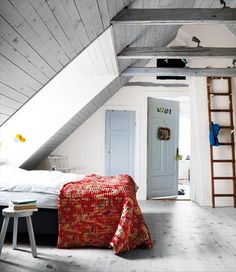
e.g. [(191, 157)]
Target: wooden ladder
[(230, 142)]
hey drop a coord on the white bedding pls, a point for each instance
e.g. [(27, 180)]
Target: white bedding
[(35, 181), (42, 185)]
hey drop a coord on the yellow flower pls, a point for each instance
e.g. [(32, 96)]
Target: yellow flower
[(20, 138)]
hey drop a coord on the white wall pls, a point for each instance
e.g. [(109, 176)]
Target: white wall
[(59, 100), (85, 147), (200, 156)]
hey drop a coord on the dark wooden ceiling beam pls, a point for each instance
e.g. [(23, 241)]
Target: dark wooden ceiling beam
[(191, 72), (176, 52), (176, 16)]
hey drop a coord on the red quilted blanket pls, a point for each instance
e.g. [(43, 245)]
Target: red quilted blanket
[(103, 212)]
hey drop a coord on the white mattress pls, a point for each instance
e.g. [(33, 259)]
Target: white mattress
[(48, 201)]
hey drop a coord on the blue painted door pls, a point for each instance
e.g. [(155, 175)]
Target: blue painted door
[(120, 142), (163, 138)]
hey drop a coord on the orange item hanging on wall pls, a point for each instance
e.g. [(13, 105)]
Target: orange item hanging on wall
[(101, 211)]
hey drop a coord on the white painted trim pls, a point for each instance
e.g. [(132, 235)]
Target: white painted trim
[(137, 164)]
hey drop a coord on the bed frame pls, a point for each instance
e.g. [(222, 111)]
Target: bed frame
[(45, 221)]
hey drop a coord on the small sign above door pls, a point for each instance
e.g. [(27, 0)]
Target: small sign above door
[(164, 110)]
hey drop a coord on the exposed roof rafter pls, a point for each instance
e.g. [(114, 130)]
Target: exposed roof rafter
[(192, 72), (176, 16), (176, 52)]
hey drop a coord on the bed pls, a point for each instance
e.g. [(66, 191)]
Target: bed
[(83, 210), (42, 185)]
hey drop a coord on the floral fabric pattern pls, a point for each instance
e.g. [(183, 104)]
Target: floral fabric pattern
[(101, 211)]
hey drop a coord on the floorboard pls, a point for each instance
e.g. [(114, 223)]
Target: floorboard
[(186, 237)]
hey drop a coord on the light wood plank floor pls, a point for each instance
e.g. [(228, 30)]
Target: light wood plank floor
[(187, 237)]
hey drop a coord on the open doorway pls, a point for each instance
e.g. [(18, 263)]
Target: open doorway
[(185, 149)]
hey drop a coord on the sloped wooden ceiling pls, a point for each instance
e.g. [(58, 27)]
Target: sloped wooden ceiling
[(40, 37)]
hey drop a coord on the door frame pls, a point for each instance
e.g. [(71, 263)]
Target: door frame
[(137, 155)]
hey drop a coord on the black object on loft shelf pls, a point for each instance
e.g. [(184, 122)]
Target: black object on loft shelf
[(171, 63)]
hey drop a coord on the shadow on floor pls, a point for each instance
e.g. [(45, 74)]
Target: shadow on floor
[(49, 264), (153, 222)]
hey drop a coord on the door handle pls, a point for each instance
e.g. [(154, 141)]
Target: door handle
[(178, 157)]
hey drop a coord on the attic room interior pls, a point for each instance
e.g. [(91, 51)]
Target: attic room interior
[(117, 144)]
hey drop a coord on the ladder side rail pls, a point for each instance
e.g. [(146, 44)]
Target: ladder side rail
[(232, 139), (211, 148)]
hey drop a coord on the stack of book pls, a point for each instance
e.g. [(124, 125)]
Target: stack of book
[(24, 204)]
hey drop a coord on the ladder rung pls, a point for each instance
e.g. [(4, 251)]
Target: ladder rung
[(217, 77), (226, 127), (223, 195), (223, 161), (226, 143), (223, 94), (224, 178), (220, 110)]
